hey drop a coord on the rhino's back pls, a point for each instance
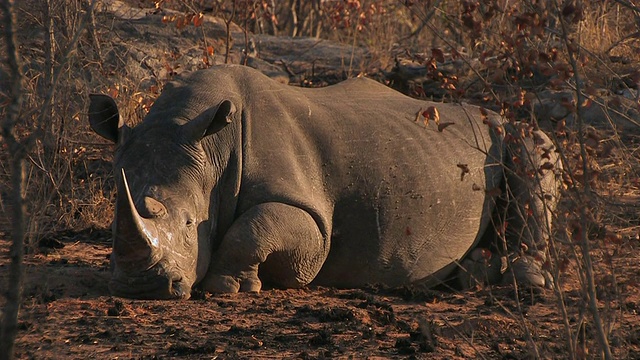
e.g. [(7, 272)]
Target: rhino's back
[(386, 189)]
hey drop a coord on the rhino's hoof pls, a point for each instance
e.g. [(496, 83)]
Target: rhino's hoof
[(250, 285), (478, 268), (232, 285), (528, 272), (221, 284)]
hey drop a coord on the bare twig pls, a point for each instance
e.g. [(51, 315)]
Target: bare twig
[(245, 58), (227, 23), (92, 29)]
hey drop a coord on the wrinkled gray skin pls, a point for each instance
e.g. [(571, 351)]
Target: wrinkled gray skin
[(233, 179)]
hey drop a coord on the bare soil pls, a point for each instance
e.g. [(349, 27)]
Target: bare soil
[(68, 313)]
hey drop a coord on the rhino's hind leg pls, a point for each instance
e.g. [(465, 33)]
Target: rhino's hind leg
[(282, 241), (532, 193)]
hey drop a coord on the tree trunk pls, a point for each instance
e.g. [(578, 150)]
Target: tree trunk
[(13, 294)]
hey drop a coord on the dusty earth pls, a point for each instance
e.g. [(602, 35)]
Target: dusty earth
[(67, 312)]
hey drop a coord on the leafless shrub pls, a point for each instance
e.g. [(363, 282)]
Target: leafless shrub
[(33, 136)]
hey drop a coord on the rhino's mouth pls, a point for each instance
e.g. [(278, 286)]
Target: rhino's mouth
[(150, 286)]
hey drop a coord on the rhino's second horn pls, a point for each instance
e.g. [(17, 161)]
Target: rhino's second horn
[(154, 208)]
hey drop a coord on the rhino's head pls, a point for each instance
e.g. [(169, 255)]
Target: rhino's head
[(162, 225)]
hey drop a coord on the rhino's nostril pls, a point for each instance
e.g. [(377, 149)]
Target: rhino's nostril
[(157, 283), (179, 290)]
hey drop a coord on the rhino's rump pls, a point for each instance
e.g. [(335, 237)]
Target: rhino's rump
[(386, 190)]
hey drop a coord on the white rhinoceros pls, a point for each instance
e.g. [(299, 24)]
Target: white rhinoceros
[(233, 179)]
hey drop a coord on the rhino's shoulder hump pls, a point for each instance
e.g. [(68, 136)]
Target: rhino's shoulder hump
[(359, 92), (363, 84)]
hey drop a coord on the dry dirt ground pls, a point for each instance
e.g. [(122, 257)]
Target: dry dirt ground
[(68, 314)]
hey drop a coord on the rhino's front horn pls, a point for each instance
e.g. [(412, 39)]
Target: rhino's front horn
[(136, 239)]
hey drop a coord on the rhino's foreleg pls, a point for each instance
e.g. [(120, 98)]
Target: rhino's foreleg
[(283, 240)]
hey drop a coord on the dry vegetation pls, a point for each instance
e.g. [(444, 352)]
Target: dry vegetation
[(568, 67)]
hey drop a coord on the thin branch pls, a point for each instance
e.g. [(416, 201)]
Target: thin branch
[(227, 23)]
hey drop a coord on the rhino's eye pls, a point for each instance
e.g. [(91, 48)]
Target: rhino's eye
[(188, 219)]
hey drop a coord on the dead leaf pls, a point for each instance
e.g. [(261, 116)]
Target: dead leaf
[(484, 115), (465, 170), (528, 210), (448, 85), (438, 55), (431, 114), (567, 180), (113, 92), (561, 128), (181, 22), (198, 19)]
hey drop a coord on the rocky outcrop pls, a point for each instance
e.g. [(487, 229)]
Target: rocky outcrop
[(140, 44)]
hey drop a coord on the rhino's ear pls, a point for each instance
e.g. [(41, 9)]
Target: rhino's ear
[(209, 121), (104, 117)]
